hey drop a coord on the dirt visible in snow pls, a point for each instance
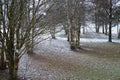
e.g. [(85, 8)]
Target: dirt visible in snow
[(53, 60)]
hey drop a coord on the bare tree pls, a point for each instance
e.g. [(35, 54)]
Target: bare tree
[(74, 18), (19, 27)]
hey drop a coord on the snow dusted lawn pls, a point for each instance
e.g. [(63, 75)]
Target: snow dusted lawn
[(53, 60)]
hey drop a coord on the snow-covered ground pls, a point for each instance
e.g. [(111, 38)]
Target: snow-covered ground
[(89, 37), (53, 60)]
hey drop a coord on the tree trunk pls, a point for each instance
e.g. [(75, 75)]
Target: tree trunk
[(118, 28), (53, 32), (110, 32), (110, 23), (119, 34), (72, 43), (2, 58), (103, 29), (32, 41), (13, 58), (71, 36), (2, 62), (78, 38), (68, 39), (83, 29), (106, 29), (13, 68), (13, 72), (97, 28)]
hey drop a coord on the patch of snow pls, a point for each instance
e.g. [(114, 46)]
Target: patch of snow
[(97, 40)]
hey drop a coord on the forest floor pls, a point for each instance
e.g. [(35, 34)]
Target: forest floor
[(53, 60)]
